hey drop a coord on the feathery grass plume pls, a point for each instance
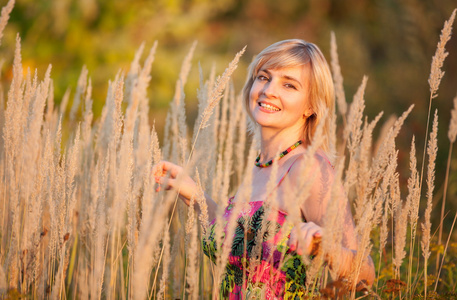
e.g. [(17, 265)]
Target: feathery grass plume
[(332, 229), (412, 202), (187, 64), (413, 197), (426, 225), (154, 156), (297, 195), (226, 239), (100, 235), (401, 226), (266, 229), (87, 117), (383, 132), (361, 165), (112, 120), (127, 168), (332, 137), (4, 17), (223, 118), (192, 257), (80, 90), (229, 141), (64, 102), (14, 119), (338, 78), (452, 133), (436, 74), (241, 146), (201, 201), (353, 133), (132, 76), (175, 122), (66, 196), (176, 252), (15, 122), (205, 141), (154, 224), (364, 246), (216, 92), (162, 294), (381, 158), (142, 137)]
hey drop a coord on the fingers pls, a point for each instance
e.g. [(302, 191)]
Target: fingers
[(165, 183), (305, 238), (163, 168)]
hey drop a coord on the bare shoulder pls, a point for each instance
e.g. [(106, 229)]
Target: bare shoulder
[(317, 165)]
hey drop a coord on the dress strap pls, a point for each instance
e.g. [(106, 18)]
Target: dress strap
[(288, 170)]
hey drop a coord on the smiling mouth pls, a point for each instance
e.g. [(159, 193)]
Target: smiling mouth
[(269, 107)]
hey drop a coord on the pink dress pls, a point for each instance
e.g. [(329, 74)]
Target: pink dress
[(272, 273)]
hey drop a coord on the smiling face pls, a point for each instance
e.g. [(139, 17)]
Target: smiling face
[(279, 98)]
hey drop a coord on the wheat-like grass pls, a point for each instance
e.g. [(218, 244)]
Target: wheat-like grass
[(426, 225), (5, 15), (80, 216), (338, 78)]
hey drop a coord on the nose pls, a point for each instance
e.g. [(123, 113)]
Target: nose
[(270, 89)]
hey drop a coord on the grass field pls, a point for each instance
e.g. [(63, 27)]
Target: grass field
[(81, 216)]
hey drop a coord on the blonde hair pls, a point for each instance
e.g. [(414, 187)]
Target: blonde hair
[(321, 96)]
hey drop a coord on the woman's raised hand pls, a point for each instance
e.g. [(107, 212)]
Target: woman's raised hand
[(305, 238), (170, 176)]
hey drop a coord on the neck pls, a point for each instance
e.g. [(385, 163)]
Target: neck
[(273, 141)]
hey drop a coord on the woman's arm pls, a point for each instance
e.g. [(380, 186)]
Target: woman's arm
[(314, 209), (170, 176)]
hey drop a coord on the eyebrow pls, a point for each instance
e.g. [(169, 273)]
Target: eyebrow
[(284, 76)]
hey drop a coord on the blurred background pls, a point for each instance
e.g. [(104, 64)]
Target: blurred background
[(392, 42)]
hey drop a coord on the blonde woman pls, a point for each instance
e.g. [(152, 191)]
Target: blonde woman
[(288, 93)]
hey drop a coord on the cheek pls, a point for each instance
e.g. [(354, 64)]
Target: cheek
[(253, 95)]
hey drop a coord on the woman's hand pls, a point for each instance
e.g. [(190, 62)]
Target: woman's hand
[(305, 239), (170, 176)]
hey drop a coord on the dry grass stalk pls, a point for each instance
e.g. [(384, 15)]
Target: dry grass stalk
[(242, 201), (436, 74), (80, 90), (338, 78), (162, 294), (401, 224), (452, 133), (192, 257), (361, 165), (4, 17), (353, 133), (332, 235), (381, 158), (413, 197), (426, 225), (216, 92), (201, 201)]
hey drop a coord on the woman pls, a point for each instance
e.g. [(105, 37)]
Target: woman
[(288, 93)]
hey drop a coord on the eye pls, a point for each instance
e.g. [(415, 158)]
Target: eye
[(290, 86), (262, 77)]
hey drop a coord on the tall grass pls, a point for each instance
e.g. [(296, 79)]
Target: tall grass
[(81, 216)]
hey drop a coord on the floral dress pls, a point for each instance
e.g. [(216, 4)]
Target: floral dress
[(271, 272)]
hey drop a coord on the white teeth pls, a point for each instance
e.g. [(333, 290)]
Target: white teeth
[(269, 107)]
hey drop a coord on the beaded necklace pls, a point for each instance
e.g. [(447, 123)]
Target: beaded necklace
[(281, 155)]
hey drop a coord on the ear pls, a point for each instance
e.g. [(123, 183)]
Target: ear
[(308, 112)]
